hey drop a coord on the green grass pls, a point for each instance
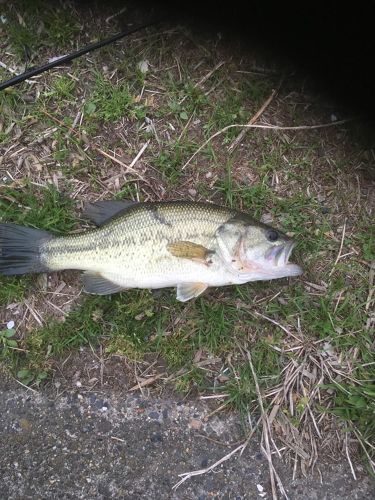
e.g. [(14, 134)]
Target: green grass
[(170, 160), (44, 208), (110, 102), (13, 289), (62, 89), (11, 111), (183, 99), (236, 106), (32, 25)]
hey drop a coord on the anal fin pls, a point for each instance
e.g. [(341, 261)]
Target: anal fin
[(187, 291), (95, 283)]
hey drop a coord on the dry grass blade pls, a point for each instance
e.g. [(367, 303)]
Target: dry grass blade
[(252, 120), (371, 286), (286, 330), (348, 457), (340, 249), (147, 381), (127, 168), (14, 72), (187, 475), (215, 396), (266, 435), (205, 78), (360, 440), (139, 154), (25, 386), (265, 127)]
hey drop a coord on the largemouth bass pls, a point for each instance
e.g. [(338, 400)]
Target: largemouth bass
[(190, 246)]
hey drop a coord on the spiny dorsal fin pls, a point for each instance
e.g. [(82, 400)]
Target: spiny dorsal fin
[(190, 250), (100, 212), (97, 284), (187, 291)]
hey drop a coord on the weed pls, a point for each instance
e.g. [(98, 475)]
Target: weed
[(172, 158), (110, 102), (7, 341), (241, 385), (12, 289), (227, 111), (62, 89), (29, 206), (31, 377), (39, 25)]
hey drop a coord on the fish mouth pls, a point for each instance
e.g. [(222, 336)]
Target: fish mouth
[(278, 255)]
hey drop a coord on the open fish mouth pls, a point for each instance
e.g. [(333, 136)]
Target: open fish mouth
[(279, 255)]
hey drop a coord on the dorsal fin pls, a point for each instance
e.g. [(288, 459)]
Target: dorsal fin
[(100, 212)]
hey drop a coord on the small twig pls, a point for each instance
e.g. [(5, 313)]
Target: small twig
[(56, 120), (118, 439), (147, 381), (25, 386), (213, 440), (188, 475), (277, 324), (75, 121), (127, 168), (252, 120), (205, 78), (266, 127), (219, 408), (340, 249), (240, 448), (371, 279), (348, 457), (36, 316), (265, 428), (215, 396), (121, 11), (185, 128), (139, 154), (14, 72)]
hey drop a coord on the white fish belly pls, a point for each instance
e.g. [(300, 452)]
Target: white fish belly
[(168, 272)]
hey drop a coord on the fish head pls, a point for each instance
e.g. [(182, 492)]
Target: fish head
[(255, 251)]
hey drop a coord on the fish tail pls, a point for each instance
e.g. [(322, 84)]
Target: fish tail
[(20, 249)]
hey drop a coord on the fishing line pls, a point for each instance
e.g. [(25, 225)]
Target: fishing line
[(93, 46)]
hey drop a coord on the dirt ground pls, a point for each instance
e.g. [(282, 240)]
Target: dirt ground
[(99, 444)]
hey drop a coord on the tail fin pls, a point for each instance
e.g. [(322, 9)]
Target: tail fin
[(20, 249)]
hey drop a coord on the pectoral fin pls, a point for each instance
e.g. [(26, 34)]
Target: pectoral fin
[(95, 283), (190, 250), (187, 291)]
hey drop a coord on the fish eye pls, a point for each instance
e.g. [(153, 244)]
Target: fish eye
[(272, 235)]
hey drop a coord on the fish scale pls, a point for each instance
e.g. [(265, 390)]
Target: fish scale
[(133, 247)]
